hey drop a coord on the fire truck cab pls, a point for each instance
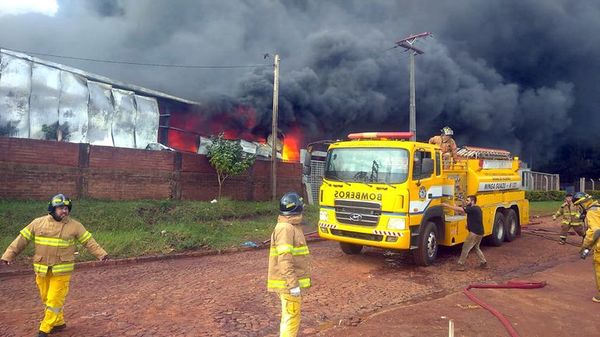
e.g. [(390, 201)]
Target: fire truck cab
[(381, 190)]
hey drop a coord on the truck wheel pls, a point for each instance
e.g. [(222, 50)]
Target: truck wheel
[(350, 248), (498, 231), (426, 253), (512, 225)]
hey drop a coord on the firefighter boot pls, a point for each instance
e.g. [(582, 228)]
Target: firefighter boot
[(58, 328), (562, 241), (42, 334)]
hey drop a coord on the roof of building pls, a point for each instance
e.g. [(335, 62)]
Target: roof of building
[(95, 77)]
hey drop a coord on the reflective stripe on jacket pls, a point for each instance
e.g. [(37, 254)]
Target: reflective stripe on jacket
[(570, 214), (289, 258), (54, 244)]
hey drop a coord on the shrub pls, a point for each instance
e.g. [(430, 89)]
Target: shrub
[(545, 195)]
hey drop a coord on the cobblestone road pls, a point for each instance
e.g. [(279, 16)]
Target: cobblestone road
[(225, 295)]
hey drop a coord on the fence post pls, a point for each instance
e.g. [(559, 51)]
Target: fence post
[(176, 176), (581, 184), (547, 181), (593, 187), (81, 184)]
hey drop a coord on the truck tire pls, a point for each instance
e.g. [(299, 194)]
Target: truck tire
[(498, 231), (350, 248), (512, 225), (427, 250)]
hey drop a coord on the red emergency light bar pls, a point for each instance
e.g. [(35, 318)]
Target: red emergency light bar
[(380, 135)]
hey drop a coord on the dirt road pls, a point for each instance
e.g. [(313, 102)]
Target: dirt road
[(225, 295)]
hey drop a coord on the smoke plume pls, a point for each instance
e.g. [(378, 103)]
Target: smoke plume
[(514, 74)]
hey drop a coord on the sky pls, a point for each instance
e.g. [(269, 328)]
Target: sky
[(513, 74)]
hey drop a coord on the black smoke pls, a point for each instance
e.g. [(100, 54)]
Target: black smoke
[(514, 74)]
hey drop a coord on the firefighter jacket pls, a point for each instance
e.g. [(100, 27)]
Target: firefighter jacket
[(593, 222), (445, 147), (571, 214), (54, 244), (289, 259)]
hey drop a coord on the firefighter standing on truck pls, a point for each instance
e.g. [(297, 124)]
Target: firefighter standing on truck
[(289, 263), (54, 236), (590, 241), (447, 145), (571, 218)]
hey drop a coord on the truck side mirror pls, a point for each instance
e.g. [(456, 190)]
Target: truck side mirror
[(306, 169), (427, 167)]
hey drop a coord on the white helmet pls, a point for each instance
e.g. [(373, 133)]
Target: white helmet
[(447, 131)]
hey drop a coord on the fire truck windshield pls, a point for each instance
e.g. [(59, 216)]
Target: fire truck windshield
[(367, 165)]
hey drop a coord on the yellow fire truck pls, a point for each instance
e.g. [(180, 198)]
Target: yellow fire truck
[(382, 190)]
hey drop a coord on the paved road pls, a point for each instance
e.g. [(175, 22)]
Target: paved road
[(225, 295)]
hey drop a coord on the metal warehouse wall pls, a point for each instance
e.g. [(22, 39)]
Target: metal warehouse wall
[(88, 108), (38, 169)]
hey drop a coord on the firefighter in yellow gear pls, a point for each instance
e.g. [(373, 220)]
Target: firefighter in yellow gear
[(54, 236), (447, 146), (571, 218), (590, 241), (289, 263)]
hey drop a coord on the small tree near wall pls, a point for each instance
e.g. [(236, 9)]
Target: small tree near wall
[(227, 158)]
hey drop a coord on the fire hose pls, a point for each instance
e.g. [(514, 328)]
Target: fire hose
[(536, 232), (509, 285)]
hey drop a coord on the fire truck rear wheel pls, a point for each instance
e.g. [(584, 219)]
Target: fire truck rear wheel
[(498, 231), (350, 248), (512, 225), (426, 253)]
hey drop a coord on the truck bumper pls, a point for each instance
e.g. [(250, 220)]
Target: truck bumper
[(388, 239)]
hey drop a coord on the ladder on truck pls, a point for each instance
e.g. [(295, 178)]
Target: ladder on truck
[(472, 152)]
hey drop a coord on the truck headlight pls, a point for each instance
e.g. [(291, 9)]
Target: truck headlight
[(324, 216), (397, 223)]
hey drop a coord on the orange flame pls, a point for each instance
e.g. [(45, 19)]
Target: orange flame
[(291, 145), (187, 126), (182, 141)]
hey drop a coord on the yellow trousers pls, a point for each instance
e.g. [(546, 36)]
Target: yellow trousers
[(290, 315), (597, 269), (53, 291)]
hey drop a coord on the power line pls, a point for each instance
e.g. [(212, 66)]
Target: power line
[(148, 64)]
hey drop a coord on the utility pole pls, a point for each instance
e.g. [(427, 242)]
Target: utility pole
[(274, 127), (407, 44)]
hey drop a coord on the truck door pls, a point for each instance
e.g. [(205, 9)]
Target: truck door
[(428, 189)]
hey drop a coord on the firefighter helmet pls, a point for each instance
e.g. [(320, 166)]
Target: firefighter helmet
[(291, 204), (447, 131), (583, 199), (59, 200)]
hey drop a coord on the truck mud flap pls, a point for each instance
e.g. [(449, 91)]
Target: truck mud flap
[(415, 232)]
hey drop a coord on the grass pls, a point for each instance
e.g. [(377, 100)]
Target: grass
[(146, 227), (540, 208)]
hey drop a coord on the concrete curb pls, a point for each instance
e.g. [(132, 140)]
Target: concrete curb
[(141, 259)]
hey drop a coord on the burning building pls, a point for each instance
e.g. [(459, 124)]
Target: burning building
[(46, 100)]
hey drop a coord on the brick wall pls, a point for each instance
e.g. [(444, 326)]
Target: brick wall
[(37, 169)]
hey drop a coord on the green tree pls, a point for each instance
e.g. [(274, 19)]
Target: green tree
[(227, 158)]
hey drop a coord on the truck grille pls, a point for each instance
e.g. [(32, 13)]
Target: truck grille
[(360, 213), (362, 236)]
